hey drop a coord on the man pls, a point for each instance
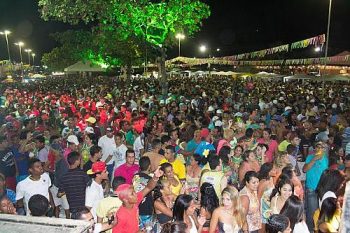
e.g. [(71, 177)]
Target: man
[(71, 128), (7, 164), (73, 184), (61, 168), (85, 214), (94, 192), (95, 155), (140, 181), (129, 168), (215, 176), (154, 155), (316, 162), (43, 150), (120, 151), (108, 206), (178, 166), (127, 215), (107, 143), (38, 205), (73, 144), (37, 183)]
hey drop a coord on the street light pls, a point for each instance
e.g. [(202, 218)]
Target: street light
[(33, 55), (28, 51), (20, 44), (6, 33), (318, 49), (203, 48), (180, 37), (218, 50), (327, 40)]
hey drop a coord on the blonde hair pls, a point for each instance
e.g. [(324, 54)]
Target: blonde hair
[(238, 213), (228, 133)]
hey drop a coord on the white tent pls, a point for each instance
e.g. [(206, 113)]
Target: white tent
[(38, 76), (84, 67)]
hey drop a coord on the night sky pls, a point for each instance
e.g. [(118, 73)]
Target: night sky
[(234, 26)]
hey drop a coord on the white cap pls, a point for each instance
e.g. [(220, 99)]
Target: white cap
[(334, 106), (219, 111), (89, 129), (215, 118), (73, 139), (134, 109), (238, 114), (287, 108), (281, 98), (274, 101), (218, 123), (210, 109)]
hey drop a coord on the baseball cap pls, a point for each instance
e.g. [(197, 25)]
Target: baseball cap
[(73, 139), (89, 129), (204, 133), (109, 129), (122, 188), (91, 120), (211, 109), (97, 167)]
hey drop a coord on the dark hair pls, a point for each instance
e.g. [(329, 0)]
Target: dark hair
[(156, 142), (174, 227), (181, 204), (225, 151), (144, 163), (118, 180), (277, 223), (2, 138), (282, 180), (40, 139), (214, 161), (53, 138), (73, 157), (294, 210), (94, 150), (93, 138), (330, 180), (265, 170), (290, 149), (165, 166), (79, 214), (38, 205), (129, 151), (288, 171), (170, 147), (32, 161), (249, 132), (209, 199), (201, 160), (164, 139), (263, 145), (246, 154), (268, 130), (328, 208), (249, 175)]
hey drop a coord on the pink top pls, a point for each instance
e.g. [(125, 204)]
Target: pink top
[(127, 171), (273, 145)]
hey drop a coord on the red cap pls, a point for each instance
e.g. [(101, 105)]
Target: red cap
[(97, 167), (122, 188), (204, 133)]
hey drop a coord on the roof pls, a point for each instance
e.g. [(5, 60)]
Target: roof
[(84, 67)]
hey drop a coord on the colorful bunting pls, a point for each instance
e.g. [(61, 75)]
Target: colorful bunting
[(317, 40)]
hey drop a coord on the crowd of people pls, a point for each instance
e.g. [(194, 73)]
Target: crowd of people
[(215, 154)]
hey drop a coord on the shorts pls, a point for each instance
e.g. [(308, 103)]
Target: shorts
[(59, 201)]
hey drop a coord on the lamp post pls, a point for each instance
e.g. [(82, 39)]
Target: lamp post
[(180, 37), (20, 44), (33, 56), (204, 49), (327, 41), (6, 33), (28, 51)]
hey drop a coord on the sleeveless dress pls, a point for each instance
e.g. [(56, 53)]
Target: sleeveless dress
[(192, 186), (227, 228), (253, 215)]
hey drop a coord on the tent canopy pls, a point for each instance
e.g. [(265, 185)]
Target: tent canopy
[(38, 76), (84, 67)]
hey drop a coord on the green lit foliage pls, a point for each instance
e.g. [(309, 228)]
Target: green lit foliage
[(75, 46)]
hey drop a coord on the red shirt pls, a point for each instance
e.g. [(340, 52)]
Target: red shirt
[(128, 219)]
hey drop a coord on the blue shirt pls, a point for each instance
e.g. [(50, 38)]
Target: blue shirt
[(11, 195), (192, 145), (21, 161), (203, 145), (313, 175)]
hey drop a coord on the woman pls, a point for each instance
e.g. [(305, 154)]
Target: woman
[(330, 181), (278, 224), (236, 158), (293, 209), (272, 144), (261, 153), (265, 189), (228, 218), (250, 202), (184, 211), (193, 175), (175, 184), (249, 164), (163, 201), (232, 176), (5, 192), (298, 187), (209, 202), (89, 140), (329, 217), (283, 190)]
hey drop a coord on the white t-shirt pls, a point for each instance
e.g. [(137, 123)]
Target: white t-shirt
[(301, 227), (43, 154), (94, 194), (138, 145), (108, 146), (119, 155), (28, 188)]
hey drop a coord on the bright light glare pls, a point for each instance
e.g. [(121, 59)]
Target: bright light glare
[(180, 36), (202, 48)]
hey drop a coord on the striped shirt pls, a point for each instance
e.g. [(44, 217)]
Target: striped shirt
[(73, 184)]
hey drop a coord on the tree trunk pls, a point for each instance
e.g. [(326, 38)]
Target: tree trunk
[(163, 75)]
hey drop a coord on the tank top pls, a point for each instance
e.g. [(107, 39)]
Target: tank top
[(214, 178), (253, 215)]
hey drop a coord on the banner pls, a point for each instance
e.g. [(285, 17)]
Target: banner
[(317, 40)]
